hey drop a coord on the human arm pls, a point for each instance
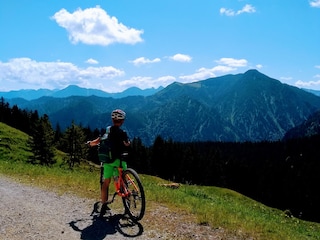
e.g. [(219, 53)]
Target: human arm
[(94, 142), (127, 143)]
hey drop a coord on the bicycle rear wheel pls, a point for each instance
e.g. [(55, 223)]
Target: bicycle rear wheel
[(135, 203)]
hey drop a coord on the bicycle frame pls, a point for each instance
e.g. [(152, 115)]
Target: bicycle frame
[(121, 185), (128, 186)]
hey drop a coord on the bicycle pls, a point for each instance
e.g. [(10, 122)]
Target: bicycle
[(129, 187)]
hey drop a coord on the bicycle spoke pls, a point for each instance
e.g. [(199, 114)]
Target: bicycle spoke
[(134, 203)]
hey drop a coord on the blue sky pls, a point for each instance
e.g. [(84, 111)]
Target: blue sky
[(113, 45)]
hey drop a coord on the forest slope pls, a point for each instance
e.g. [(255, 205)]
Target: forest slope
[(193, 211)]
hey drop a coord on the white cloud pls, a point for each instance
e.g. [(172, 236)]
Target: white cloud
[(143, 60), (232, 62), (94, 26), (227, 12), (147, 82), (303, 84), (286, 78), (259, 66), (92, 61), (315, 3), (25, 71), (247, 9), (225, 65), (204, 73), (230, 12), (181, 58), (310, 84)]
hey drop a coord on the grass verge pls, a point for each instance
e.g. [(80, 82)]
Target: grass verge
[(212, 206)]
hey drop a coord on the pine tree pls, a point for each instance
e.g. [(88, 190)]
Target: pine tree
[(5, 111), (139, 156), (73, 140), (41, 142)]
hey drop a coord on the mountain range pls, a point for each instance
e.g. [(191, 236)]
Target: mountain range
[(243, 107), (73, 90)]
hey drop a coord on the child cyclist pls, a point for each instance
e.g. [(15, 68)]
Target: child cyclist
[(118, 143)]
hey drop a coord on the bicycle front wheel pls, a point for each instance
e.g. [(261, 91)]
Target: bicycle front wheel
[(135, 202)]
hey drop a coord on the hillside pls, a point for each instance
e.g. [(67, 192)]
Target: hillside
[(193, 211), (242, 107), (308, 128), (13, 144)]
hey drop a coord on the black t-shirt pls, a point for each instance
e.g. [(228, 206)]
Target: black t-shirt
[(116, 137)]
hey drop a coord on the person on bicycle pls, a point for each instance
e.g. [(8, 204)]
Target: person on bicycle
[(118, 143)]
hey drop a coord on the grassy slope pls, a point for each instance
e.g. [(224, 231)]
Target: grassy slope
[(212, 206)]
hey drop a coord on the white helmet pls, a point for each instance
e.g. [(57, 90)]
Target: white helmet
[(118, 114)]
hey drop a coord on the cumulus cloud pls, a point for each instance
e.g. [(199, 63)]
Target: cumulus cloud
[(225, 65), (143, 60), (147, 82), (52, 74), (315, 3), (303, 84), (92, 61), (94, 26), (232, 62), (307, 84), (181, 58), (230, 12), (204, 73), (312, 83)]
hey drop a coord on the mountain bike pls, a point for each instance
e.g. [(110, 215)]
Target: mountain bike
[(129, 187)]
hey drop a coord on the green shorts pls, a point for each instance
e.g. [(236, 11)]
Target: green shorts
[(110, 169)]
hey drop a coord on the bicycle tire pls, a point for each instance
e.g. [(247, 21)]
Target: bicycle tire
[(135, 203)]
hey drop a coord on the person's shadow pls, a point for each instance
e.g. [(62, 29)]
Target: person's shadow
[(98, 228)]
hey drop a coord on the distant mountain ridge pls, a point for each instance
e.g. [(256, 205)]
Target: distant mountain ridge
[(241, 107), (309, 127), (315, 92), (73, 90)]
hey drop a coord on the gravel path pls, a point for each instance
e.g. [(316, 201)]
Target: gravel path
[(28, 212)]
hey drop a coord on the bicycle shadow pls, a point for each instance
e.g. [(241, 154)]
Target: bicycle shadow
[(99, 228)]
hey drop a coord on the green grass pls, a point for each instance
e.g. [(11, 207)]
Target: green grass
[(212, 206)]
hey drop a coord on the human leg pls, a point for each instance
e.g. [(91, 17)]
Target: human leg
[(105, 190), (107, 174), (104, 196), (110, 170)]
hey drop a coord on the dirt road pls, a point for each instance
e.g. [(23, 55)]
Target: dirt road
[(28, 212)]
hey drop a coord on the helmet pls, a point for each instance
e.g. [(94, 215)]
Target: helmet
[(118, 114)]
